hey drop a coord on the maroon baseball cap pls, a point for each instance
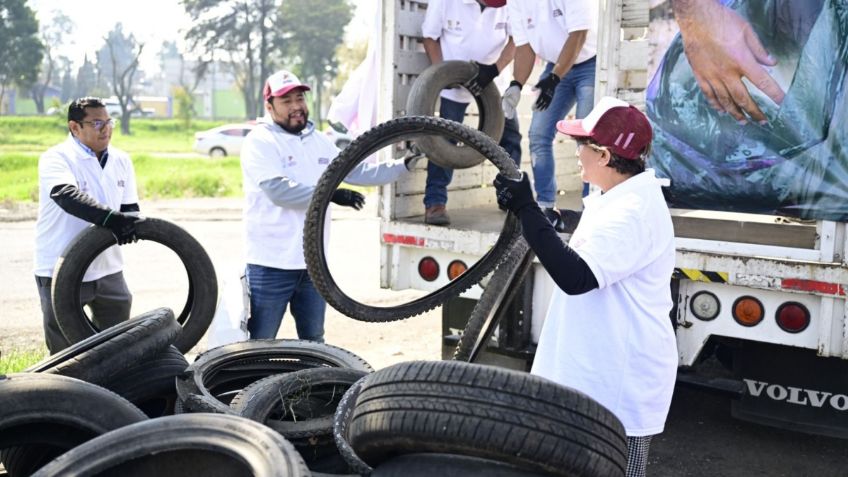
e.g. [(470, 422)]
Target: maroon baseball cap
[(280, 83), (494, 3), (614, 124)]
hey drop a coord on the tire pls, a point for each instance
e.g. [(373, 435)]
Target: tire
[(447, 465), (486, 412), (210, 383), (422, 102), (341, 424), (502, 288), (150, 384), (300, 406), (374, 139), (188, 444), (217, 152), (99, 358), (44, 415), (71, 266)]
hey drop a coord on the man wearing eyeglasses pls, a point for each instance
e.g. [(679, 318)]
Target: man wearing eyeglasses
[(80, 181)]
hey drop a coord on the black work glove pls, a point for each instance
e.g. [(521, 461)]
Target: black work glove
[(348, 198), (547, 88), (485, 75), (122, 226), (514, 195)]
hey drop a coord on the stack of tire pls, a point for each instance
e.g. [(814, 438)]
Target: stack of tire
[(105, 406), (451, 418)]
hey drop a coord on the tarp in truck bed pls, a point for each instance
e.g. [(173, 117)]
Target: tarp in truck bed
[(797, 164)]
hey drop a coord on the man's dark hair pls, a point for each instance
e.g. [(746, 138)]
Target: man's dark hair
[(76, 110)]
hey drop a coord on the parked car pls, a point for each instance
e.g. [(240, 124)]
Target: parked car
[(223, 140), (339, 135)]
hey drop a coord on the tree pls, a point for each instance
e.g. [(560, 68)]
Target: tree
[(313, 31), (117, 61), (246, 31), (86, 79), (21, 49), (54, 33)]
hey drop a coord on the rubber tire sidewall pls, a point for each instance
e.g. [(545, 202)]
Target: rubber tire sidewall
[(70, 269), (422, 99)]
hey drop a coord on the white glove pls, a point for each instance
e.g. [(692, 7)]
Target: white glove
[(510, 99)]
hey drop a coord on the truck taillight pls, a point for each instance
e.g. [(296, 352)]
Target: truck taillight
[(428, 268), (705, 305), (792, 317), (456, 268), (748, 311)]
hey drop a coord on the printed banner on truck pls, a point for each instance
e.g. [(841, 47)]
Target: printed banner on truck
[(748, 103)]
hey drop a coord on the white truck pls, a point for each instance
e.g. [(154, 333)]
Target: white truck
[(760, 300)]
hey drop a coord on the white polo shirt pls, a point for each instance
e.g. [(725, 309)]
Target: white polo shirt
[(274, 234), (545, 25), (466, 34), (72, 163), (616, 343)]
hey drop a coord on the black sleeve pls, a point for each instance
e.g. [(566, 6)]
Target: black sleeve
[(79, 204), (130, 207), (563, 264)]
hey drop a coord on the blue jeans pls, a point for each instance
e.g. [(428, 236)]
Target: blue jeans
[(271, 290), (438, 178), (578, 87)]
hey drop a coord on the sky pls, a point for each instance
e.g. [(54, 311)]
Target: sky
[(151, 21)]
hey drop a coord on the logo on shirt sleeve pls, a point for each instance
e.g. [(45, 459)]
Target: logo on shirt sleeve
[(289, 162), (500, 26), (454, 25), (557, 13), (530, 24), (323, 160), (121, 183)]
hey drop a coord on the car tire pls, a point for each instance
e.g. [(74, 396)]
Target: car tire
[(44, 415), (217, 152), (422, 99), (150, 383), (78, 255), (216, 376), (486, 412), (501, 289), (101, 357), (188, 444), (385, 134)]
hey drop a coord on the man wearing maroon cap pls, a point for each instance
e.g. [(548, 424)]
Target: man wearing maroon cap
[(282, 159), (607, 332)]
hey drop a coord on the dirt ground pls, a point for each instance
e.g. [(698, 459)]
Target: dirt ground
[(155, 277)]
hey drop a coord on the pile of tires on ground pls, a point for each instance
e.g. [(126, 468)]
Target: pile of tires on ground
[(126, 402)]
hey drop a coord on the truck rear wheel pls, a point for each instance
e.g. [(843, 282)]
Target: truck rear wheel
[(422, 102), (388, 133)]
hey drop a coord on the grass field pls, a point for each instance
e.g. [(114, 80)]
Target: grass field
[(157, 147), (17, 360)]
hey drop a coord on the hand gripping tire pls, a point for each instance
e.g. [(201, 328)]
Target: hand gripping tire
[(422, 102), (365, 145), (487, 412), (188, 444), (210, 383), (202, 282), (501, 289)]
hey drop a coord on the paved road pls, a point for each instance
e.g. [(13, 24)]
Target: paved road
[(700, 440)]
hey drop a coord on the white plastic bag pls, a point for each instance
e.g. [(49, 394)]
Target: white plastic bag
[(229, 324)]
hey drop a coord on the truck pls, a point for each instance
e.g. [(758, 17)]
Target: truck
[(760, 301)]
